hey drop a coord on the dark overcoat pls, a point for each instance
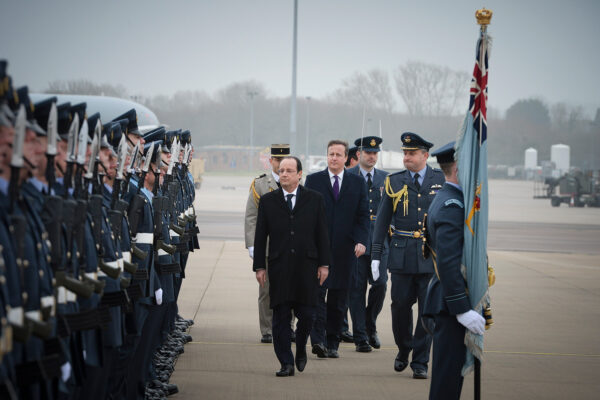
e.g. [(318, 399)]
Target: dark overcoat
[(298, 245), (347, 222)]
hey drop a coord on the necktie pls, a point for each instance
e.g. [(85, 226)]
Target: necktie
[(369, 181), (289, 201), (336, 187), (416, 179)]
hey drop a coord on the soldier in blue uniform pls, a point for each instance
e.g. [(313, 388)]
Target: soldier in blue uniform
[(364, 315), (402, 213), (447, 301)]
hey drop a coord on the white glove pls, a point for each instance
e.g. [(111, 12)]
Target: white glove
[(375, 269), (65, 371), (251, 252), (158, 296), (473, 321)]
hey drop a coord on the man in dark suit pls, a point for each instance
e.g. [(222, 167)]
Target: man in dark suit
[(293, 219), (402, 213), (347, 213), (447, 300), (364, 316)]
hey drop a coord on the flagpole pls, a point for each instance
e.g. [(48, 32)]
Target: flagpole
[(483, 17)]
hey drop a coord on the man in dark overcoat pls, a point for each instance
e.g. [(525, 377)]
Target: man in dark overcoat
[(347, 214), (293, 219)]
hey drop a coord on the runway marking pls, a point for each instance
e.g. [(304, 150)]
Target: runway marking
[(350, 346)]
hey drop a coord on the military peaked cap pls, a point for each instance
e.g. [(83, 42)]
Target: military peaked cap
[(412, 141)]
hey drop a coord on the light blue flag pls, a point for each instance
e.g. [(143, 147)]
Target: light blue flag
[(471, 156)]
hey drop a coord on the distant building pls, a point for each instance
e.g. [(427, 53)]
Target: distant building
[(234, 158)]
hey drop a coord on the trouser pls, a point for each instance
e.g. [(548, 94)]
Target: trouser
[(448, 358), (282, 340), (139, 370), (329, 319), (97, 384), (406, 290), (364, 315), (265, 314)]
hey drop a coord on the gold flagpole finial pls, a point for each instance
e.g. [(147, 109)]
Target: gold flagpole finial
[(484, 17)]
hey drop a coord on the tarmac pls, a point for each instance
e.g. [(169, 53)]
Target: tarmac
[(544, 344)]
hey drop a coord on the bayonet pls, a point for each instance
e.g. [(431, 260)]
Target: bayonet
[(148, 158), (52, 130), (19, 140), (121, 156), (72, 139), (95, 150), (82, 143), (174, 152)]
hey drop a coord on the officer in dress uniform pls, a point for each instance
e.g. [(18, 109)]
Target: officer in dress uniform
[(364, 315), (447, 301), (401, 215), (265, 183)]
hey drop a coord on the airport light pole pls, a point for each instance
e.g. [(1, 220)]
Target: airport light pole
[(293, 97), (307, 127), (251, 94)]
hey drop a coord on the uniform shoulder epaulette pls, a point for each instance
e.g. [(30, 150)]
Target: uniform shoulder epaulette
[(255, 194), (437, 170), (398, 172), (449, 202)]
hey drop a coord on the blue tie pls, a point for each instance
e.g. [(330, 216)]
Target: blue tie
[(289, 201)]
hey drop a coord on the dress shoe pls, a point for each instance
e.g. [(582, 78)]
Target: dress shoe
[(363, 347), (400, 364), (347, 337), (319, 350), (267, 338), (286, 370), (332, 353), (419, 373), (374, 340), (301, 358)]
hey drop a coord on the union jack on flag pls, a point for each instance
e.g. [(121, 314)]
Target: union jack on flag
[(471, 156)]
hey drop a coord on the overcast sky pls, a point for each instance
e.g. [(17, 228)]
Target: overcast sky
[(546, 49)]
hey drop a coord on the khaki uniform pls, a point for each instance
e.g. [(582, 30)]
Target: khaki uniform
[(261, 185)]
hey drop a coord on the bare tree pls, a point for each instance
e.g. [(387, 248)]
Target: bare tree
[(371, 90), (431, 90), (85, 87)]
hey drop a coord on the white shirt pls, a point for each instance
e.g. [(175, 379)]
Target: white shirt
[(275, 176), (332, 180), (293, 198)]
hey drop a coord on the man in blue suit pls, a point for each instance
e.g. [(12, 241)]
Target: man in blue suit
[(346, 207), (447, 301), (364, 316)]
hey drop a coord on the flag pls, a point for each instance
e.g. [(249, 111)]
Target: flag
[(471, 156)]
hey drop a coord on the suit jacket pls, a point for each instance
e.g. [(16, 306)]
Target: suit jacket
[(347, 221), (445, 225), (406, 253), (298, 245)]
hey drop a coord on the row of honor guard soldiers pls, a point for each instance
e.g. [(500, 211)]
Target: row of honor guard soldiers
[(96, 225)]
